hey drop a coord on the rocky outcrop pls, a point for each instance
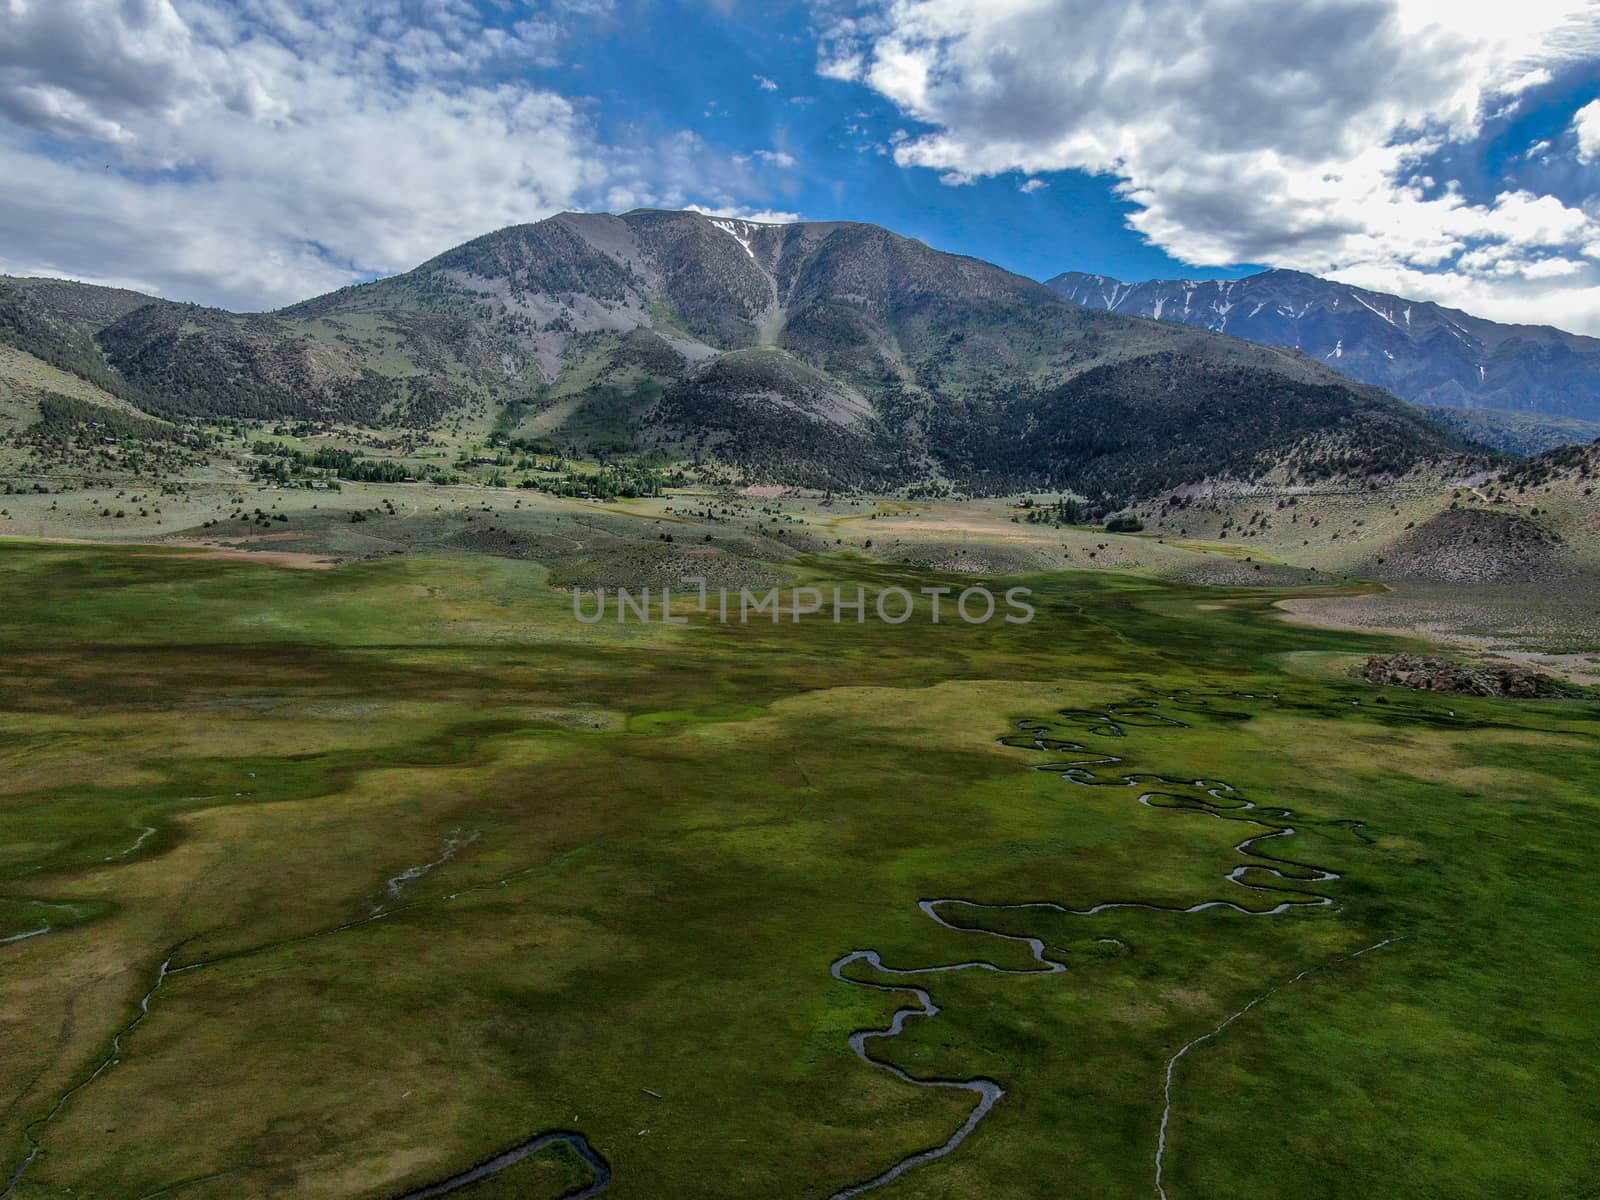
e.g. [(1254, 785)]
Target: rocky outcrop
[(1461, 679)]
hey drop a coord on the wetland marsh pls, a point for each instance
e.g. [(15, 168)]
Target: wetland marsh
[(347, 883)]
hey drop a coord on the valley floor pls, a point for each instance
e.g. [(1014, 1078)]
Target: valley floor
[(1474, 595), (338, 883)]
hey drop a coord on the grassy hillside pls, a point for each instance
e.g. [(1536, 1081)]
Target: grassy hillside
[(58, 322), (57, 429), (24, 378)]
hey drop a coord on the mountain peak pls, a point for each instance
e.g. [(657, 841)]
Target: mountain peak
[(833, 353), (1416, 349)]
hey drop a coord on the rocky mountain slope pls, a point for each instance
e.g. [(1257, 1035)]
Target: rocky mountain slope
[(1421, 352), (830, 353), (1520, 434), (57, 322)]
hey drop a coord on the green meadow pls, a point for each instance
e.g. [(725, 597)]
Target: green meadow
[(354, 879)]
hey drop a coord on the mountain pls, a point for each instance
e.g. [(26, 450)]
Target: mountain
[(824, 353), (1421, 352), (1521, 434), (1576, 466), (57, 323)]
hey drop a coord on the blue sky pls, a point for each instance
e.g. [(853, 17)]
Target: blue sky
[(249, 153), (746, 80)]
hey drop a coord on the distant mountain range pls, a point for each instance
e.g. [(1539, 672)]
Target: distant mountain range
[(1524, 434), (1421, 352), (833, 354)]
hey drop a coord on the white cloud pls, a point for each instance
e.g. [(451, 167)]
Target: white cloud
[(254, 152), (1029, 186), (847, 68), (776, 158), (765, 84), (1290, 132), (761, 216), (1516, 300), (1586, 124)]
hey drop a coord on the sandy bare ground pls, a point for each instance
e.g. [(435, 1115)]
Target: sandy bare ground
[(297, 559), (1370, 614), (187, 548), (997, 528), (1579, 668), (1362, 614)]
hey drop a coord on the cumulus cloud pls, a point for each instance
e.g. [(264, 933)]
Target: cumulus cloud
[(1291, 132), (253, 152), (739, 212), (776, 158), (1586, 124)]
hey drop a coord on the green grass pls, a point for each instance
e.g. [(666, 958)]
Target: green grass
[(649, 844)]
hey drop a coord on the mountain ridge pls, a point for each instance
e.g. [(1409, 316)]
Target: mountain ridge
[(825, 353), (1419, 350)]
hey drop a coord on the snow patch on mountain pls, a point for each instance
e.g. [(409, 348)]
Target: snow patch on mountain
[(739, 231), (1420, 351)]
